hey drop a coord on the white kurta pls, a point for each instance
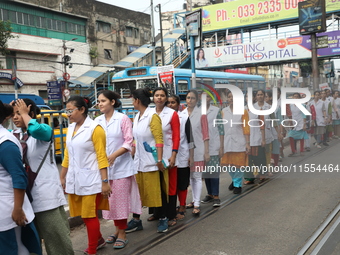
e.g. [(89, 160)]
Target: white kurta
[(298, 116), (123, 166), (196, 126)]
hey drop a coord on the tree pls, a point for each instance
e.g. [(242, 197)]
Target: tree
[(5, 35)]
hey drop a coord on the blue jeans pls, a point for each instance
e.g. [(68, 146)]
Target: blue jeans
[(213, 186)]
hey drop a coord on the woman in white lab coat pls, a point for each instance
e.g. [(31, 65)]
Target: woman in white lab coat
[(84, 169), (236, 144), (17, 215), (200, 132), (297, 133), (336, 114), (184, 155), (47, 193), (152, 176), (125, 197), (321, 119)]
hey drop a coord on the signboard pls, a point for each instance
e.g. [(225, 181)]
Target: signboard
[(166, 78), (328, 68), (9, 76), (322, 42), (294, 48), (54, 93), (312, 17), (243, 13), (193, 26)]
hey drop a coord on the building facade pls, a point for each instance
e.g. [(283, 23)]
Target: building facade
[(89, 32)]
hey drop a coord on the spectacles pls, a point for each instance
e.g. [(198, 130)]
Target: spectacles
[(67, 111)]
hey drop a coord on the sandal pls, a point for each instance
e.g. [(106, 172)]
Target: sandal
[(248, 182), (190, 205), (122, 243), (196, 211), (180, 215), (152, 218), (111, 239), (172, 222)]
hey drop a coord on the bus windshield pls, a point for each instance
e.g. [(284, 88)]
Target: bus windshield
[(125, 88)]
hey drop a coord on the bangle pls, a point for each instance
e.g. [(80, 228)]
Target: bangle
[(158, 161), (248, 142)]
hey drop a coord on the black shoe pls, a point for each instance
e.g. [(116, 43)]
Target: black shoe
[(237, 190), (216, 202), (326, 144), (231, 186), (207, 199)]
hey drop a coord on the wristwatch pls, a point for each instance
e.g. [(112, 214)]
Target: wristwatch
[(158, 161), (105, 180)]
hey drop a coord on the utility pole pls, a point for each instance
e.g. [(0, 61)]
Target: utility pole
[(315, 66), (153, 43), (161, 28)]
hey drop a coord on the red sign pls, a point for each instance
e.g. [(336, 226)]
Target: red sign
[(66, 76)]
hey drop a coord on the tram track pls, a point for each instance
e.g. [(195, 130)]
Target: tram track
[(157, 238)]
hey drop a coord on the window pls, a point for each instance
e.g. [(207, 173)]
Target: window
[(71, 28), (4, 15), (12, 16), (10, 59), (20, 19), (103, 27), (107, 54), (136, 32), (61, 26), (41, 22), (128, 31), (31, 19), (146, 36)]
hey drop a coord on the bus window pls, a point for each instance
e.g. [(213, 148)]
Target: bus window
[(240, 84), (125, 88), (255, 86), (150, 83), (262, 85), (182, 87)]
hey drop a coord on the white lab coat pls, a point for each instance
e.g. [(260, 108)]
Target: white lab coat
[(183, 150), (7, 192), (196, 127), (83, 175), (47, 191), (166, 117), (214, 134), (319, 108), (123, 166), (143, 160), (234, 139)]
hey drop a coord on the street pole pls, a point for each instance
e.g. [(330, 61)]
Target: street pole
[(192, 52), (315, 66), (161, 28), (153, 43), (65, 48)]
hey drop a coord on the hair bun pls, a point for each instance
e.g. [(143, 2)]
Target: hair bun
[(88, 102), (147, 92)]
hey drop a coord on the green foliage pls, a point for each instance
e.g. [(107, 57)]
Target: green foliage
[(5, 35), (93, 53)]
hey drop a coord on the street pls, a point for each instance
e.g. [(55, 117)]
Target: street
[(275, 217)]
